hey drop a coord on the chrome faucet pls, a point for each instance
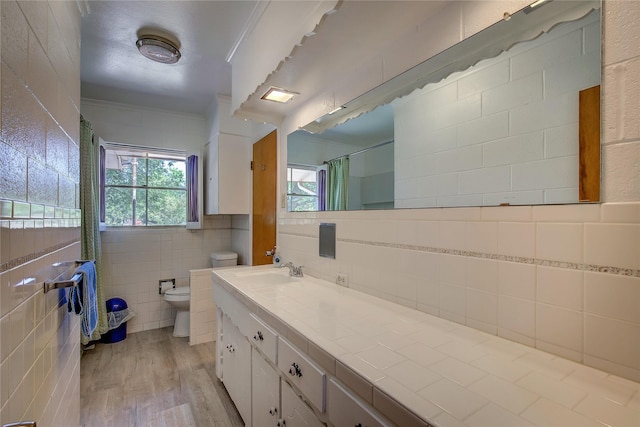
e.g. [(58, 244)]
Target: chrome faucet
[(293, 270)]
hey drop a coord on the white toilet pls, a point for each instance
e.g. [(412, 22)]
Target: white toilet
[(179, 298), (223, 259)]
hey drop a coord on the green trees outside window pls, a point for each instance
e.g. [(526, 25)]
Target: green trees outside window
[(143, 189)]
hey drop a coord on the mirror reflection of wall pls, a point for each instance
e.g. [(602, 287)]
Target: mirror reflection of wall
[(504, 131)]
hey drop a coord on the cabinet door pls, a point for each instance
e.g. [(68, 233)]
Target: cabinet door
[(265, 391), (347, 410), (296, 413), (228, 180), (236, 368), (220, 345)]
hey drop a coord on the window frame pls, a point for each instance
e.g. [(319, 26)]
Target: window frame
[(146, 153), (290, 195)]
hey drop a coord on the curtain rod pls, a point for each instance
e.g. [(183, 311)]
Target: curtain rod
[(382, 144)]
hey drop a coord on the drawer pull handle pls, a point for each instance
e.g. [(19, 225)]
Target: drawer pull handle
[(273, 411), (295, 371), (258, 336)]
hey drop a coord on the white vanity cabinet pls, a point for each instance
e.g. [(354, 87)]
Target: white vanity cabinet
[(228, 175), (236, 367), (295, 413), (274, 383), (263, 337), (303, 373), (265, 391), (345, 409)]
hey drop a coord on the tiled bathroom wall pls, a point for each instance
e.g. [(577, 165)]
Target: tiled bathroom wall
[(203, 309), (39, 215), (565, 279), (136, 259)]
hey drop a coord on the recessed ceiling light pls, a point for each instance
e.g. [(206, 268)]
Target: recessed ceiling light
[(158, 49), (278, 95)]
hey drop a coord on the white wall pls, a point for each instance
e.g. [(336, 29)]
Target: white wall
[(503, 131), (39, 215), (147, 127), (565, 279)]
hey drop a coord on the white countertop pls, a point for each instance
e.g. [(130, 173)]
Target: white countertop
[(447, 374)]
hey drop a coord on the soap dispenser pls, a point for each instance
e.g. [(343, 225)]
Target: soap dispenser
[(277, 261)]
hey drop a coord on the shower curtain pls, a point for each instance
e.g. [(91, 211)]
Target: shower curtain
[(90, 222), (338, 184)]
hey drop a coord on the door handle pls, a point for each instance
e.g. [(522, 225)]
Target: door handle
[(21, 424)]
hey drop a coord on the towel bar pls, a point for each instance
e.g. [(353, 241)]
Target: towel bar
[(62, 280)]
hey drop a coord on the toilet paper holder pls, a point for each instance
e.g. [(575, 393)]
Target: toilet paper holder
[(165, 284)]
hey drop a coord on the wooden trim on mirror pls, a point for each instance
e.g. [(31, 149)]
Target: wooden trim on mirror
[(589, 148)]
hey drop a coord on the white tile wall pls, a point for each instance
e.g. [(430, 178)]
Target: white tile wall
[(40, 86), (518, 272), (203, 309), (134, 260)]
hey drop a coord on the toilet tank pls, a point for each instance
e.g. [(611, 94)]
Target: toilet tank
[(224, 259)]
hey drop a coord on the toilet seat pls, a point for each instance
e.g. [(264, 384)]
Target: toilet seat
[(179, 291)]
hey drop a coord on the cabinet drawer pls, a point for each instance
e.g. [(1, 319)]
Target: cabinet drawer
[(303, 373), (347, 410), (263, 337)]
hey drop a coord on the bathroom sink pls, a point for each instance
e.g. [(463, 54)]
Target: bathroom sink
[(267, 278)]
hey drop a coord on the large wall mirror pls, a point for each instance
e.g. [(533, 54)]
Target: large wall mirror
[(510, 116)]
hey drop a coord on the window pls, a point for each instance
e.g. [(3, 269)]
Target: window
[(302, 188), (144, 187)]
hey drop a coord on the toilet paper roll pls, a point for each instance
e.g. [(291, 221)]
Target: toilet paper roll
[(165, 286)]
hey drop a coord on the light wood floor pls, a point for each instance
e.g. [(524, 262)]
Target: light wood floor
[(153, 379)]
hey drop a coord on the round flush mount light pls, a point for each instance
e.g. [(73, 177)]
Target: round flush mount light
[(158, 49)]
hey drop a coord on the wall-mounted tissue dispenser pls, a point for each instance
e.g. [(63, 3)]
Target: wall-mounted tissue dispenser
[(165, 284)]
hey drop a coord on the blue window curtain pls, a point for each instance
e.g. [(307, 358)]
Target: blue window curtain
[(103, 171), (322, 190), (338, 185), (194, 191)]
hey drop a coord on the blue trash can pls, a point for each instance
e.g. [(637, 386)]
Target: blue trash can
[(119, 333)]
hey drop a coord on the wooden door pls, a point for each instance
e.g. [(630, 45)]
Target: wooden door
[(264, 197)]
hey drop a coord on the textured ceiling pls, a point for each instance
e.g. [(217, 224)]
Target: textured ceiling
[(113, 70)]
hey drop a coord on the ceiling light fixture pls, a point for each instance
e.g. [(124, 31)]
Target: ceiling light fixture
[(278, 95), (158, 49)]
